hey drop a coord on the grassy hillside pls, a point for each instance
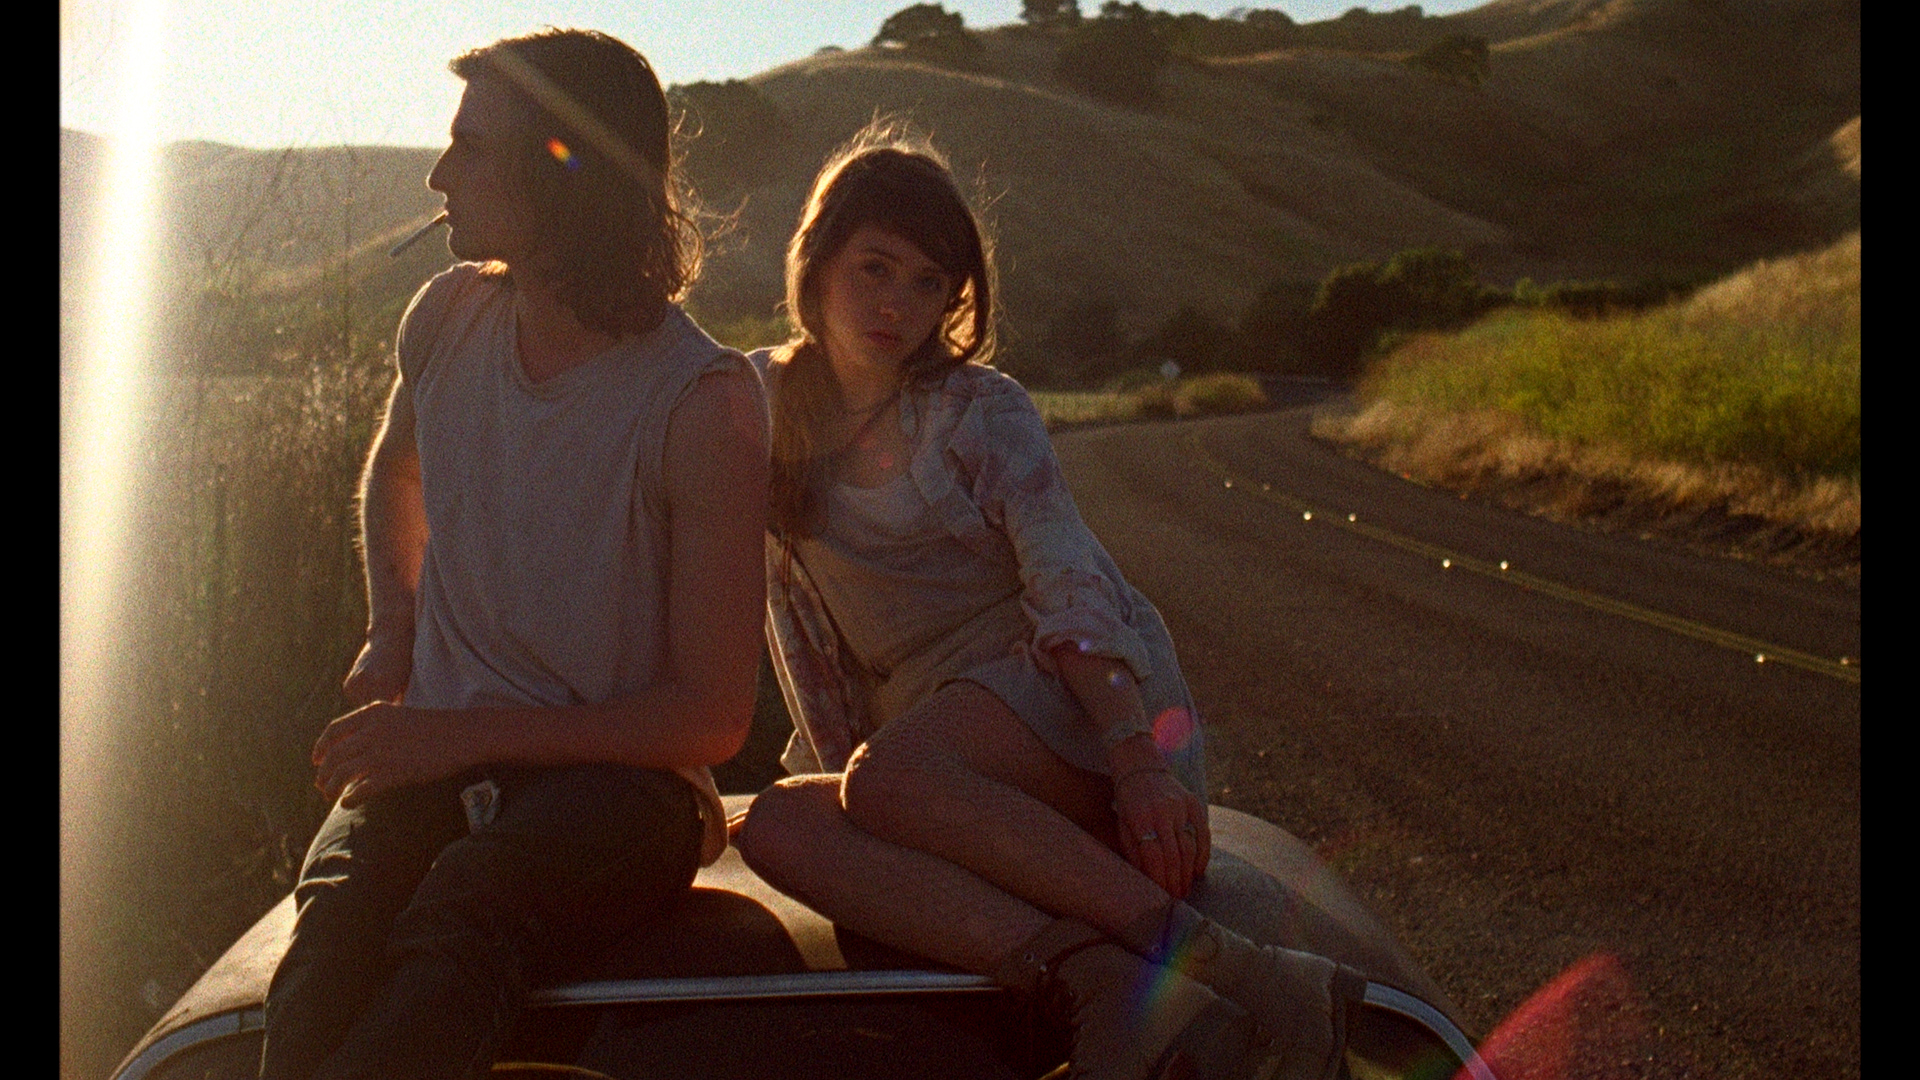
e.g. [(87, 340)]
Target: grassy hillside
[(248, 242), (1623, 139)]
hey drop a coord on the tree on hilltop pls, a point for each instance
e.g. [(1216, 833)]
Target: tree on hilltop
[(920, 21), (1117, 57), (1050, 13), (928, 31), (1130, 11)]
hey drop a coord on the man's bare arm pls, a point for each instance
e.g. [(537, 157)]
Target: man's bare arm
[(393, 540), (698, 711)]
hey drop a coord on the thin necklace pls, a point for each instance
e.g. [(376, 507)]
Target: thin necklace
[(860, 439), (872, 413)]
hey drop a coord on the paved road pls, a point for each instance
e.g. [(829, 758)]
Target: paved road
[(1584, 777)]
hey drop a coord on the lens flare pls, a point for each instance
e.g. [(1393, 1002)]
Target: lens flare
[(562, 154), (103, 395), (1583, 1023), (1173, 729)]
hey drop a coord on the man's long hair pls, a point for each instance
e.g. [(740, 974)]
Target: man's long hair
[(887, 178), (618, 241)]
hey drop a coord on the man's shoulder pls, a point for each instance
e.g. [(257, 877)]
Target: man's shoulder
[(457, 280), (461, 283)]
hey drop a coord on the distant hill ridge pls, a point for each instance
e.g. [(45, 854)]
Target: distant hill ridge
[(1610, 138)]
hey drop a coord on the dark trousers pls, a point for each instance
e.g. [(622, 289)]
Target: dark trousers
[(416, 940)]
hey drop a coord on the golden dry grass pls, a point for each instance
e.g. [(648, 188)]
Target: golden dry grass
[(1213, 394), (1497, 453), (1812, 288), (1478, 412)]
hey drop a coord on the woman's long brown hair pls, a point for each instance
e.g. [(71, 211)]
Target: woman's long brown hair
[(884, 178)]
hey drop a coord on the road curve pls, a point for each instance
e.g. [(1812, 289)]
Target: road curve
[(1615, 835)]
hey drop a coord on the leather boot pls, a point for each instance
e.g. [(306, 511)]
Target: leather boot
[(1131, 1020)]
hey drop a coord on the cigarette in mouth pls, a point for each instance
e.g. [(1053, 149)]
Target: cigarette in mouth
[(417, 234)]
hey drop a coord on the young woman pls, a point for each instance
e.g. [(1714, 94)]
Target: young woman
[(996, 761)]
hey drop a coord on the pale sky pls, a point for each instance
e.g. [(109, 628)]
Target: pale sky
[(266, 73)]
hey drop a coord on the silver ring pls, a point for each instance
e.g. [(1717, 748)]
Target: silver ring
[(1149, 836)]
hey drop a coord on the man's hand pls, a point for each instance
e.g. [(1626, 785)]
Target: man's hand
[(380, 672), (382, 746)]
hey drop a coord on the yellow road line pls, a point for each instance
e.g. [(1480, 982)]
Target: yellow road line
[(1761, 651)]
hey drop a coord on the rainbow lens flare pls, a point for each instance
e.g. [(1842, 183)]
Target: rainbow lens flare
[(562, 153)]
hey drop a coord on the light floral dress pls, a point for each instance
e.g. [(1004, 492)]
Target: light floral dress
[(972, 565)]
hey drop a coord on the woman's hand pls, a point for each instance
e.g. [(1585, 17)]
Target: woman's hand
[(1163, 826)]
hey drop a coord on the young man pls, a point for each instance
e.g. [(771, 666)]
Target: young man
[(563, 517)]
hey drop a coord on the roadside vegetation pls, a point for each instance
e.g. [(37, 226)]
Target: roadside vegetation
[(1150, 396), (1732, 415)]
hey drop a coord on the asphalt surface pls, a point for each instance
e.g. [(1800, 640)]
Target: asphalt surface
[(1622, 843)]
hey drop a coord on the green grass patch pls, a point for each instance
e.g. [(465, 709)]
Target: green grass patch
[(746, 332), (1686, 383), (1132, 399), (1066, 407)]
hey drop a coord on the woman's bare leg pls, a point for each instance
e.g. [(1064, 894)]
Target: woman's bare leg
[(800, 841), (963, 779)]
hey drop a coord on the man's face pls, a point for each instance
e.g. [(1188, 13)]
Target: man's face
[(488, 212)]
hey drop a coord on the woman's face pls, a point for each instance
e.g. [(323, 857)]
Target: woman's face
[(880, 298)]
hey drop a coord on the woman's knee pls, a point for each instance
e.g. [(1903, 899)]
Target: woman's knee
[(891, 787), (785, 823)]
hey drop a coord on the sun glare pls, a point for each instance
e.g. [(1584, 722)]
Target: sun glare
[(102, 394), (1584, 1023)]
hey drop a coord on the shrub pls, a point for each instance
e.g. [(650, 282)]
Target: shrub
[(1219, 392), (1114, 57), (1134, 379), (1461, 58), (1270, 331), (1191, 339), (1417, 289), (730, 126), (1084, 342), (1348, 313), (1596, 299), (1202, 395), (1156, 401), (748, 331), (1431, 289), (1782, 397)]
